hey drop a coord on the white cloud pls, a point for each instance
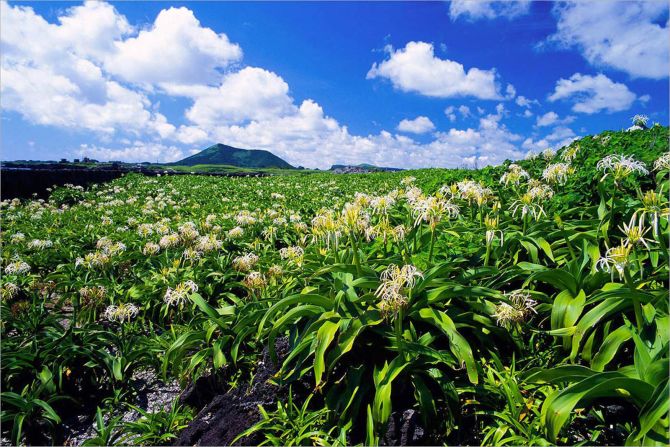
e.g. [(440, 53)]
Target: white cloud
[(547, 119), (139, 151), (626, 36), (510, 92), (419, 125), (522, 101), (559, 137), (416, 69), (464, 110), (449, 111), (482, 9), (249, 94), (527, 113), (51, 73), (176, 49), (592, 94), (52, 76)]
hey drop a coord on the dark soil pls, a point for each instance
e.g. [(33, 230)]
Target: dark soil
[(231, 413)]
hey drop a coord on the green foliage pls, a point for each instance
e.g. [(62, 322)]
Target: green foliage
[(220, 154), (500, 311)]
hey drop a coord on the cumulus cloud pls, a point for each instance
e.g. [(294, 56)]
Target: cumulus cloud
[(522, 101), (482, 9), (547, 119), (416, 69), (450, 112), (108, 82), (464, 111), (559, 137), (626, 36), (176, 49), (419, 125), (52, 75), (138, 151), (552, 118), (249, 94), (592, 94)]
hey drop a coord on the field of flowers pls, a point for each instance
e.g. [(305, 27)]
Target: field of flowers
[(520, 304)]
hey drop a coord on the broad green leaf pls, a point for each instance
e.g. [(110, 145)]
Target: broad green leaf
[(324, 336)]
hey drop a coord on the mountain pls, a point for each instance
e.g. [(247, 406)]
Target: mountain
[(361, 168), (221, 154)]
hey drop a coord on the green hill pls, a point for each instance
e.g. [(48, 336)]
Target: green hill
[(221, 154)]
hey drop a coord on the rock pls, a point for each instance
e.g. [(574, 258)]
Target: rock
[(229, 414), (403, 429)]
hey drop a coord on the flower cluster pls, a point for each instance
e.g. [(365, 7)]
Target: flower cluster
[(621, 166), (395, 281), (293, 254), (557, 173), (17, 267), (179, 295), (92, 295), (518, 307), (245, 262), (515, 175), (121, 313)]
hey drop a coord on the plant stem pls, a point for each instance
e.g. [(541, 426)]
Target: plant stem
[(488, 254), (637, 307), (398, 331), (357, 260), (432, 245), (572, 252)]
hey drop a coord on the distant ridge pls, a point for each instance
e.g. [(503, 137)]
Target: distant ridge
[(221, 154), (363, 167)]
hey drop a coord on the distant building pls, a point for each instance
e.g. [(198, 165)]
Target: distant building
[(76, 160), (63, 160)]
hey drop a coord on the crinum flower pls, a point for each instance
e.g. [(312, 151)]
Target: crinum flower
[(615, 259), (517, 309), (179, 295), (395, 281), (621, 166)]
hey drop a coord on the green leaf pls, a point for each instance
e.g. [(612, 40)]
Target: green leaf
[(609, 347), (654, 409), (556, 412), (381, 408), (457, 343), (324, 336)]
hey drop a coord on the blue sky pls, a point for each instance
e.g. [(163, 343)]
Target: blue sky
[(408, 84)]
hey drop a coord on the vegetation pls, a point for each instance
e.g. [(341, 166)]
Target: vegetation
[(221, 154), (523, 304)]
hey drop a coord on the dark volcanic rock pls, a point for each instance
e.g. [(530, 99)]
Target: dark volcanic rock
[(403, 429), (229, 414)]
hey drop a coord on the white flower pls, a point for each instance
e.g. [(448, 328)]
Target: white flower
[(640, 120), (635, 232), (236, 233), (514, 175), (179, 295), (557, 173), (121, 313), (17, 267), (517, 310), (395, 280), (294, 254), (662, 162), (17, 237), (620, 166), (255, 281), (615, 259), (245, 262), (37, 244), (151, 249)]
